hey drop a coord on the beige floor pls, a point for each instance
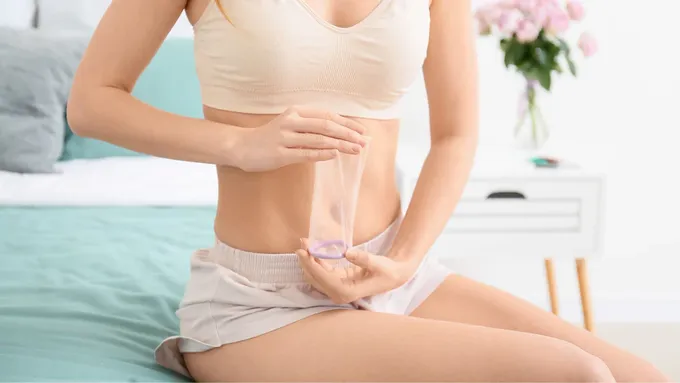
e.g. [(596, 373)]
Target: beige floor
[(658, 343)]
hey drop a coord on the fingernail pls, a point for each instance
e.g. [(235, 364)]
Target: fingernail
[(356, 149)]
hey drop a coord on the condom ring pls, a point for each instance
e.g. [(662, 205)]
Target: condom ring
[(336, 249)]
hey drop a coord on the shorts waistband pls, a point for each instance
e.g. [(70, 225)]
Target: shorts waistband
[(285, 267)]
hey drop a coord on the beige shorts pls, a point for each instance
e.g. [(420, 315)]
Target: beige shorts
[(234, 295)]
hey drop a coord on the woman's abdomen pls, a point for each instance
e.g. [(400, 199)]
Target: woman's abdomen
[(268, 212)]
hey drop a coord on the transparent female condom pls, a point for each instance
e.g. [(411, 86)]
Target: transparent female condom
[(334, 203)]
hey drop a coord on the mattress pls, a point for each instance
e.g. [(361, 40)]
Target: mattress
[(93, 262), (114, 181)]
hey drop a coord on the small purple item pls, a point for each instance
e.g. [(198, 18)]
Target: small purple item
[(338, 243)]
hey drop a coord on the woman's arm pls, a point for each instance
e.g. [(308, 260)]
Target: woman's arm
[(101, 106), (450, 72)]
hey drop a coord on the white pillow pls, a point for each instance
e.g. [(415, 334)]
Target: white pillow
[(17, 13), (78, 16), (70, 16)]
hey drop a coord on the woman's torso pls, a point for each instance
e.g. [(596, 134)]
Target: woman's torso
[(268, 212)]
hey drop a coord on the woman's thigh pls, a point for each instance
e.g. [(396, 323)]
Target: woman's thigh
[(355, 345), (462, 300)]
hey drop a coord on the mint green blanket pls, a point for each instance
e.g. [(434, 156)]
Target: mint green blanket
[(86, 294)]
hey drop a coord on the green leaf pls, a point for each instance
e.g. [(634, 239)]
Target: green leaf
[(526, 66), (564, 46), (508, 59), (557, 68), (504, 44), (570, 62), (509, 54), (507, 47), (541, 34), (515, 53), (553, 48), (542, 58), (544, 77), (519, 53), (572, 67)]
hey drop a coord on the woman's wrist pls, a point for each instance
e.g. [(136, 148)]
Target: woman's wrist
[(408, 264), (232, 146), (403, 255)]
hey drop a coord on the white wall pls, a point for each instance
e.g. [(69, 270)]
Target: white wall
[(622, 115)]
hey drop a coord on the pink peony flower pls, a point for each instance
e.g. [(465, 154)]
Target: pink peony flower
[(488, 14), (507, 4), (486, 17), (551, 3), (510, 21), (557, 21), (527, 31), (588, 44), (539, 15), (576, 10), (527, 5)]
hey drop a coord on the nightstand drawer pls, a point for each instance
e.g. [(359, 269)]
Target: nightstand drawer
[(519, 206), (531, 190), (565, 224), (499, 207), (510, 208), (514, 216)]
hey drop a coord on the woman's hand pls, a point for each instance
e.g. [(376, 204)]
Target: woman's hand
[(298, 135), (368, 275)]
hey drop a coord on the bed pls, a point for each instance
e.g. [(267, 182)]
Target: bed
[(93, 261)]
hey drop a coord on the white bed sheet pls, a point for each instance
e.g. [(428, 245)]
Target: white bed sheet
[(124, 181)]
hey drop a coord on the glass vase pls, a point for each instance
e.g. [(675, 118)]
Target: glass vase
[(531, 131)]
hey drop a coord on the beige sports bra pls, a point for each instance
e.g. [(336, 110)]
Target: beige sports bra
[(272, 54)]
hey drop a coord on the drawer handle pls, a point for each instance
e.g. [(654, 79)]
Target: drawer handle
[(506, 195)]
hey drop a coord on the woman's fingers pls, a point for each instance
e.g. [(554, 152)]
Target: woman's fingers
[(325, 124), (363, 259), (307, 261), (329, 116), (310, 135), (316, 270), (330, 129), (324, 264), (318, 141), (328, 282), (310, 271), (294, 156)]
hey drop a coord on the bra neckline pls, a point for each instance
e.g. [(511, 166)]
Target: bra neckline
[(327, 24)]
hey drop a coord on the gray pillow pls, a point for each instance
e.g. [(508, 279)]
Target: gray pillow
[(36, 71)]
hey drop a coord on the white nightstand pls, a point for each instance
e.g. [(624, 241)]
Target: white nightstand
[(511, 208)]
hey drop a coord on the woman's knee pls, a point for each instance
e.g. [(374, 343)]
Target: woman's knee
[(594, 369), (580, 366)]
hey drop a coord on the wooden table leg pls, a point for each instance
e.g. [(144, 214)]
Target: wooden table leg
[(586, 304), (552, 286)]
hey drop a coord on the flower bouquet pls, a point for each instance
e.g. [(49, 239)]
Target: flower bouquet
[(532, 36)]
